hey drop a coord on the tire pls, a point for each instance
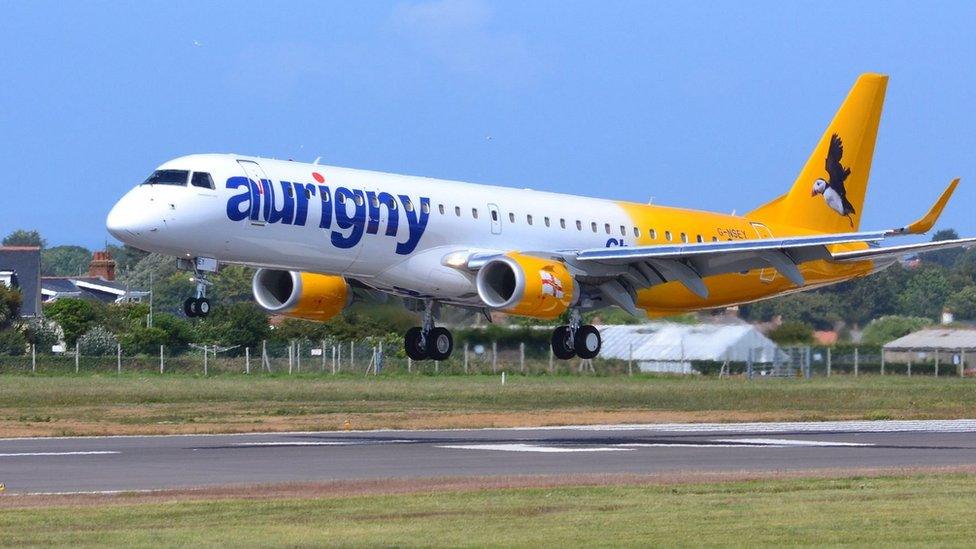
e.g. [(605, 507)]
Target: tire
[(561, 348), (189, 307), (440, 343), (588, 342), (203, 307), (412, 344)]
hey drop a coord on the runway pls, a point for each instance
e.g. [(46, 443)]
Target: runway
[(124, 463)]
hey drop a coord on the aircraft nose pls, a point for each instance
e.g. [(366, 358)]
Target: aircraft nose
[(128, 221)]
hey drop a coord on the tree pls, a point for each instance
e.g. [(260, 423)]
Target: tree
[(963, 303), (925, 293), (9, 306), (12, 342), (39, 333), (944, 258), (74, 316), (125, 257), (241, 324), (791, 332), (888, 328), (21, 237), (97, 341), (65, 260)]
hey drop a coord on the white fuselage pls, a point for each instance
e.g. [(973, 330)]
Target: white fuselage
[(391, 232)]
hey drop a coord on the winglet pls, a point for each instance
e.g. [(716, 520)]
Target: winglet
[(923, 224)]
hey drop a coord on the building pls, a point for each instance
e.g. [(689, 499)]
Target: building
[(99, 284), (671, 347), (951, 345), (20, 268)]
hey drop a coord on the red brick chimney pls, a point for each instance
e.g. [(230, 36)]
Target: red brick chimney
[(102, 265)]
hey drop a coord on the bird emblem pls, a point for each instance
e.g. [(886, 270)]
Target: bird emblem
[(832, 189)]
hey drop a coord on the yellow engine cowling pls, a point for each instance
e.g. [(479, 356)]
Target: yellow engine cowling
[(301, 295), (526, 285)]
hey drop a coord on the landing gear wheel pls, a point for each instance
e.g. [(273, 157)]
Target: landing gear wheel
[(190, 307), (561, 348), (588, 342), (440, 343), (414, 344), (203, 307)]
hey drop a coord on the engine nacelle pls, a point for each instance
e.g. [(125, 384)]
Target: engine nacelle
[(301, 295), (527, 286)]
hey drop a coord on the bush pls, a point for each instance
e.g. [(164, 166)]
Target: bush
[(888, 328), (97, 342), (41, 334), (12, 343), (791, 332)]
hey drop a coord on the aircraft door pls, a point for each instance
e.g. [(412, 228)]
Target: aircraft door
[(254, 172), (496, 219), (767, 274)]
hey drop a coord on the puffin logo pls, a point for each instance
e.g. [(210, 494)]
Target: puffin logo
[(832, 189), (551, 284)]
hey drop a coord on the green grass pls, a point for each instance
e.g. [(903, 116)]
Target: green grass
[(887, 511), (89, 404)]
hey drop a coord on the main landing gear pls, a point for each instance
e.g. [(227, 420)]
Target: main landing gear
[(199, 305), (428, 341), (576, 339)]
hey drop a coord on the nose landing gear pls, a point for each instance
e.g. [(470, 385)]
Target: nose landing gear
[(199, 305), (428, 341), (576, 339)]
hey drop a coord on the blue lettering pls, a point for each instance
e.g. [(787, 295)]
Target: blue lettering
[(357, 222), (287, 211), (240, 204), (417, 223), (302, 193), (326, 221), (393, 217)]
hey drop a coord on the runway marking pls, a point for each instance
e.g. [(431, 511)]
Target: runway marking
[(32, 454), (784, 442), (681, 445), (532, 448), (286, 443)]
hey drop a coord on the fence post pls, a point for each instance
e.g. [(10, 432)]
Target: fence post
[(494, 357), (265, 362), (909, 368), (118, 357), (291, 356), (522, 357), (352, 355), (339, 357), (33, 359), (882, 361), (936, 363), (437, 366), (298, 356), (962, 362), (247, 360), (206, 371), (749, 364), (409, 365), (379, 361), (630, 361), (333, 360), (855, 360), (828, 362), (465, 357), (161, 364), (323, 355)]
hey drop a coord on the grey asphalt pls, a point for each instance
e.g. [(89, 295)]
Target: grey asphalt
[(83, 464)]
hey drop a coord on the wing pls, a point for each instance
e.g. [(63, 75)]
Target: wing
[(896, 252), (836, 172)]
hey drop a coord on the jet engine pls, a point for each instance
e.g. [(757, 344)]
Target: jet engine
[(301, 295), (526, 285)]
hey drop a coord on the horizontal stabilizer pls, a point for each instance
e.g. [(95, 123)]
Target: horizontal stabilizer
[(895, 252)]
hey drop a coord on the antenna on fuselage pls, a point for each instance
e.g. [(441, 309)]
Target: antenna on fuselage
[(317, 158)]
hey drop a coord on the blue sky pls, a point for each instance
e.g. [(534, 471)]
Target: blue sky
[(713, 105)]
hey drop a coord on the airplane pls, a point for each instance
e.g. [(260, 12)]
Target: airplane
[(321, 236)]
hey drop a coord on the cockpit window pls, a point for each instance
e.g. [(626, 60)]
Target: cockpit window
[(202, 179), (168, 177)]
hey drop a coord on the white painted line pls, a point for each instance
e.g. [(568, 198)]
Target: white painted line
[(784, 442), (680, 445), (28, 454), (532, 448), (298, 443), (885, 426)]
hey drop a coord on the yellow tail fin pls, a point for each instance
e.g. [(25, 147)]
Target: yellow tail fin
[(829, 193)]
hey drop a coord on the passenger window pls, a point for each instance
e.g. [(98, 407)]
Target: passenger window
[(562, 223), (202, 180), (623, 231), (593, 226), (168, 177), (546, 219), (684, 237), (407, 205), (606, 227), (699, 238), (325, 196), (494, 215), (308, 193), (457, 211), (511, 217), (440, 208), (425, 207), (652, 233), (360, 201), (636, 232), (579, 225), (474, 213), (528, 219), (341, 198), (375, 202), (667, 236), (714, 239)]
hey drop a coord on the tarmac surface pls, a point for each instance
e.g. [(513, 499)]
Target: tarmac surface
[(130, 463)]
